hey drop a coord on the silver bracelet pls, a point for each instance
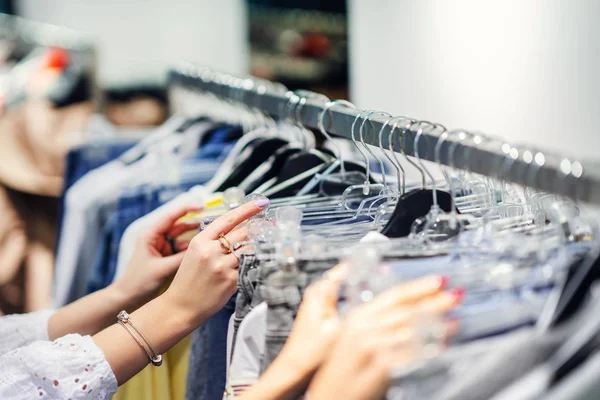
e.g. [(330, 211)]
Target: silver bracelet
[(124, 320)]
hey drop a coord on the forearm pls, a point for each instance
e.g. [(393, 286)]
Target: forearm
[(163, 325), (92, 313), (281, 381)]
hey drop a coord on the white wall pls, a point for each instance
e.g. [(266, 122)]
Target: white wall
[(528, 70), (139, 39)]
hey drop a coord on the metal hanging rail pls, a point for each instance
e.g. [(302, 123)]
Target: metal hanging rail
[(474, 152)]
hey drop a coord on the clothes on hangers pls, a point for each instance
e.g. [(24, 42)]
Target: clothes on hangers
[(247, 348), (163, 166), (509, 272), (198, 194), (92, 200)]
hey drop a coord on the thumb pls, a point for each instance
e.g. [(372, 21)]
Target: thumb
[(170, 264)]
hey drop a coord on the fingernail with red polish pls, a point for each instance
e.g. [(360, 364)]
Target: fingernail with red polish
[(442, 281), (458, 293), (262, 203)]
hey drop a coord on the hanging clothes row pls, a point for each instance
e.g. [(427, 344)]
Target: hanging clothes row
[(515, 255)]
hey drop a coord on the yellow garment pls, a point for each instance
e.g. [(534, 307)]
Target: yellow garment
[(214, 208), (168, 382)]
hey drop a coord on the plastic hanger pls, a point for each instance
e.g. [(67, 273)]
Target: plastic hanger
[(416, 204), (342, 216), (336, 172), (299, 168)]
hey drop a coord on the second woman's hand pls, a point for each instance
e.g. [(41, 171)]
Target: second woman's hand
[(377, 337)]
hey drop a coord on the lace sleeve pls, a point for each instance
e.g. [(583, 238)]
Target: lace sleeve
[(71, 367), (22, 329)]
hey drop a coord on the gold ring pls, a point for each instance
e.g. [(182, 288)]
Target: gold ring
[(224, 243)]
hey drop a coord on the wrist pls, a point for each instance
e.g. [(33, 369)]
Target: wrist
[(162, 324), (186, 313), (294, 368), (293, 360), (130, 298)]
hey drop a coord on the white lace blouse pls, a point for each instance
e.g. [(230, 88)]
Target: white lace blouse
[(32, 367)]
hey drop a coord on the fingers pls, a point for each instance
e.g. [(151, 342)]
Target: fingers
[(182, 245), (180, 228), (230, 220), (237, 236), (166, 223), (411, 292), (443, 302), (170, 264), (436, 305)]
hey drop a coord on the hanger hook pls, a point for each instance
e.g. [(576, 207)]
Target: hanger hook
[(260, 90), (293, 100), (401, 150), (419, 125), (298, 116), (365, 157), (418, 135), (362, 140), (327, 109), (511, 154), (568, 168), (402, 131), (283, 106), (307, 95), (396, 164)]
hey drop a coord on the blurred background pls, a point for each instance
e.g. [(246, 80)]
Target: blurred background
[(522, 70)]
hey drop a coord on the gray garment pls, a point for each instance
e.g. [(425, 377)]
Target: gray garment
[(531, 387), (538, 383), (282, 291), (582, 384), (247, 281), (423, 379), (507, 362)]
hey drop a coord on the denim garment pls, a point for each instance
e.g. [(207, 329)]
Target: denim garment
[(128, 209), (97, 279), (207, 371), (85, 158), (81, 160), (136, 202)]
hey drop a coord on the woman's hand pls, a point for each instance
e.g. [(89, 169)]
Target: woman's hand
[(317, 325), (204, 282), (313, 335), (153, 260), (208, 274), (151, 265), (379, 336)]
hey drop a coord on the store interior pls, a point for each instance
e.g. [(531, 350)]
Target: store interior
[(402, 139)]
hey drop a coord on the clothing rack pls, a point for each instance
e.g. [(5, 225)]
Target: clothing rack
[(471, 151)]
